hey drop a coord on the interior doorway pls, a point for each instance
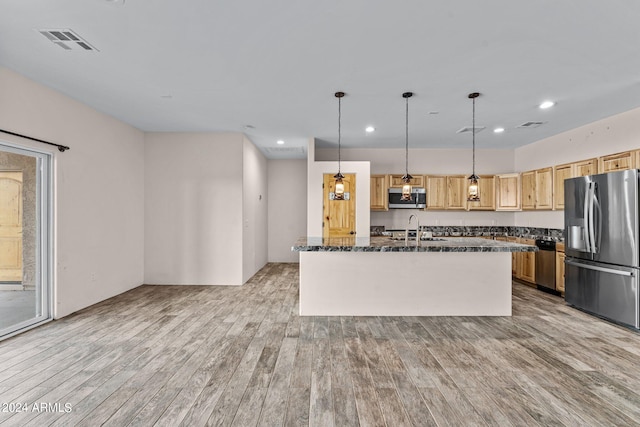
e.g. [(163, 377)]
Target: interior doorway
[(25, 241)]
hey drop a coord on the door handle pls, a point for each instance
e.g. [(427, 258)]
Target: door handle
[(352, 232), (602, 269)]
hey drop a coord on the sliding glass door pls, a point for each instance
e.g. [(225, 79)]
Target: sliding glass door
[(25, 239)]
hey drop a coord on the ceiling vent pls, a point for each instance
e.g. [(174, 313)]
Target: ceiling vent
[(467, 129), (67, 39), (284, 150), (530, 125)]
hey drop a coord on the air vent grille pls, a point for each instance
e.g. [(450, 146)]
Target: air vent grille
[(530, 125), (468, 129), (67, 39)]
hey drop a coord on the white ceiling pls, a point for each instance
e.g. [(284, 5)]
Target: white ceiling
[(276, 64)]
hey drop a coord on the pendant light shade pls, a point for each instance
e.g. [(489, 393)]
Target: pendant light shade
[(339, 185), (473, 193), (406, 179)]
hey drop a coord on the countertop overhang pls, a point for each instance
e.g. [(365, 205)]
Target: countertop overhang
[(386, 244)]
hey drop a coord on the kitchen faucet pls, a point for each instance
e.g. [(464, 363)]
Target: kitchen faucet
[(406, 233)]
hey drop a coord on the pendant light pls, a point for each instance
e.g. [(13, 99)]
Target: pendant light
[(406, 179), (339, 185), (473, 195)]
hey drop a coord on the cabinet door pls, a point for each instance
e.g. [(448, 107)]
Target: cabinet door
[(585, 167), (528, 266), (544, 188), (560, 256), (379, 193), (560, 173), (397, 182), (508, 192), (514, 257), (528, 180), (616, 162), (456, 192), (436, 192), (487, 191)]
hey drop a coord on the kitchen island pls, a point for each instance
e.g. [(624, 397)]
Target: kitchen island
[(379, 276)]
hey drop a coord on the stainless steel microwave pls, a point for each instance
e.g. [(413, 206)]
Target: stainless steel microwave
[(418, 199)]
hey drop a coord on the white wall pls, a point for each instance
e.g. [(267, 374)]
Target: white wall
[(436, 162), (99, 190), (315, 175), (287, 207), (254, 210), (193, 208), (607, 136)]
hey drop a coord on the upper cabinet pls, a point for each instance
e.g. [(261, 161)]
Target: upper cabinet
[(508, 192), (616, 162), (585, 167), (487, 192), (560, 173), (570, 170), (379, 193), (537, 189), (397, 182), (456, 192), (436, 192)]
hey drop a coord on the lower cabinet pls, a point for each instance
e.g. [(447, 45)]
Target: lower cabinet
[(526, 263), (560, 271)]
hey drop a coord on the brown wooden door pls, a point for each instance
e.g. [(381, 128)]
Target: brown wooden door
[(10, 226), (339, 216)]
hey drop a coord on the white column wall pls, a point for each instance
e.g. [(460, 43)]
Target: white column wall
[(254, 210), (315, 172), (99, 191), (287, 207), (193, 208)]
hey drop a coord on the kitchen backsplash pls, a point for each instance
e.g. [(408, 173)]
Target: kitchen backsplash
[(471, 231)]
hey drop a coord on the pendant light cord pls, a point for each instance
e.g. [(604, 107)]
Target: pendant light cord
[(406, 145), (339, 131), (473, 137)]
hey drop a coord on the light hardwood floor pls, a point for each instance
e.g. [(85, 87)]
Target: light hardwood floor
[(198, 355)]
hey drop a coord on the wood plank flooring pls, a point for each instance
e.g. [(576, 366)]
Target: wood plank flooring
[(241, 356)]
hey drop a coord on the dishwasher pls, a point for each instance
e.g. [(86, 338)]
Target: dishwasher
[(546, 266)]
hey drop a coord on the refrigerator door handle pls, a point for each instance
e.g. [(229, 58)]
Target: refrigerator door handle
[(587, 218), (597, 268)]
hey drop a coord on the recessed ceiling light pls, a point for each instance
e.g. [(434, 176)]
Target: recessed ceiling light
[(369, 129), (498, 130), (280, 142), (547, 104)]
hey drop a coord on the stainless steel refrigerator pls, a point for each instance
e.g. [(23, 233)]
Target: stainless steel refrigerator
[(601, 244)]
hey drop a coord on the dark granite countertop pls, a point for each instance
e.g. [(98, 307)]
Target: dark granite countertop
[(386, 244)]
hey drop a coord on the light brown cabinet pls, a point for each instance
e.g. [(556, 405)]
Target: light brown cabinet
[(537, 189), (395, 181), (436, 192), (456, 192), (570, 170), (586, 167), (544, 188), (508, 192), (526, 263), (616, 162), (560, 173), (487, 192), (560, 256), (379, 188), (528, 180), (514, 257)]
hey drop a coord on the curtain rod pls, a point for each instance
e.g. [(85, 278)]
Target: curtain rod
[(61, 148)]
